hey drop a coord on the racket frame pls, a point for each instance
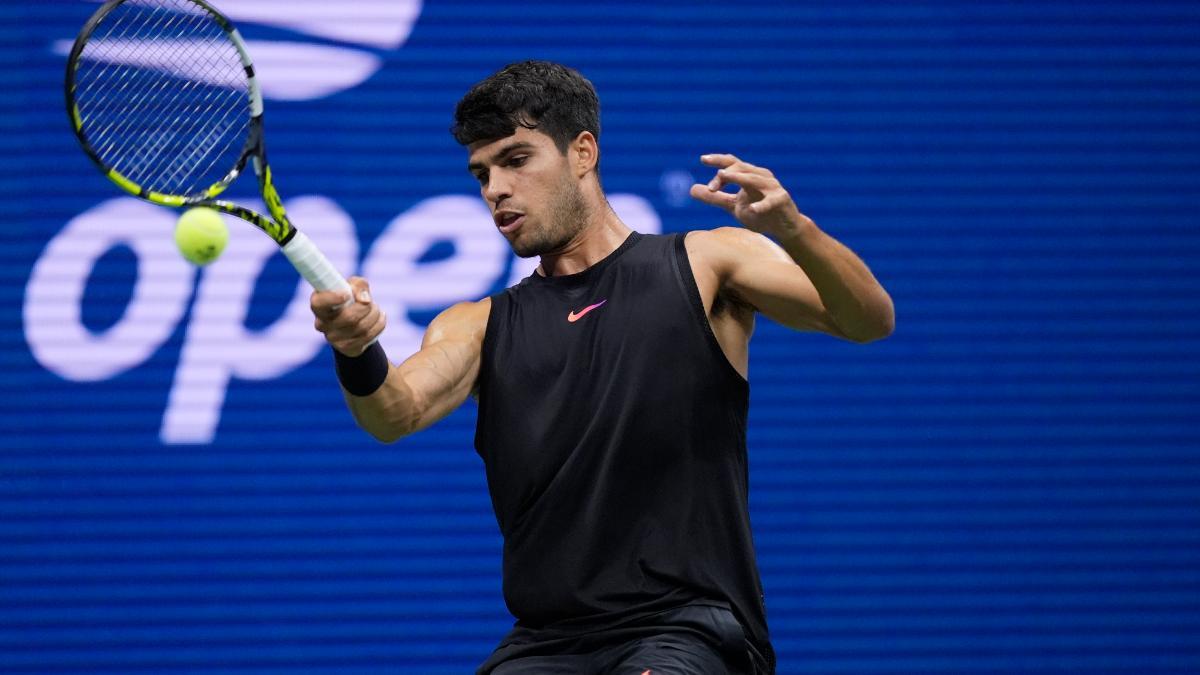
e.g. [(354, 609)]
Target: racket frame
[(278, 227)]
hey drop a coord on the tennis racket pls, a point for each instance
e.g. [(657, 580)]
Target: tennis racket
[(162, 96)]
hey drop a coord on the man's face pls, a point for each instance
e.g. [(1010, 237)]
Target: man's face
[(528, 184)]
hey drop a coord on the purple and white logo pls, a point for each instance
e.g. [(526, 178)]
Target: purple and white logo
[(342, 50)]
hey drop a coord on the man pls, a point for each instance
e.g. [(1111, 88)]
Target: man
[(612, 388)]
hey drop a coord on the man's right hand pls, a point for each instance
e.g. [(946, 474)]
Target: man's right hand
[(349, 325)]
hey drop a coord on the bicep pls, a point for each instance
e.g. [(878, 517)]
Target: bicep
[(759, 273), (443, 372)]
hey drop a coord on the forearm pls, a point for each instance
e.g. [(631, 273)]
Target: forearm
[(855, 300), (853, 304), (388, 413), (376, 393), (390, 401)]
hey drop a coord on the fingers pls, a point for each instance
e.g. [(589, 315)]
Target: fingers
[(724, 200), (745, 179), (376, 328), (718, 160), (772, 200), (732, 162), (733, 171), (755, 185), (760, 200), (327, 304), (362, 290), (349, 325)]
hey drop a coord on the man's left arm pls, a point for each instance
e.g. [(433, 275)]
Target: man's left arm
[(813, 282)]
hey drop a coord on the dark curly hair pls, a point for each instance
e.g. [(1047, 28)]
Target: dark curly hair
[(552, 98)]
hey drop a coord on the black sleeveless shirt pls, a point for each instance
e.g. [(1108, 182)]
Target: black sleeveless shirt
[(613, 431)]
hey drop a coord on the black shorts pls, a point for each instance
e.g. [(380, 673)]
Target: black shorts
[(691, 640)]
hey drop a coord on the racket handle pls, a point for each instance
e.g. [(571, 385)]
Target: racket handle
[(316, 268), (313, 265)]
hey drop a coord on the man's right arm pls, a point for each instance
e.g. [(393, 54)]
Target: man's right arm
[(428, 385)]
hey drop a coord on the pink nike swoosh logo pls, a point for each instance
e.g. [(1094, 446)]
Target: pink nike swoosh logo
[(573, 317)]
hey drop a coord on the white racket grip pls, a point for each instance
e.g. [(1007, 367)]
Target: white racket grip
[(313, 265)]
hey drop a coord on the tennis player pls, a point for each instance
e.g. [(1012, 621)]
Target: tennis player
[(612, 387)]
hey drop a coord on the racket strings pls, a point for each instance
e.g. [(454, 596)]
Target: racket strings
[(125, 48), (105, 87), (163, 96), (168, 99)]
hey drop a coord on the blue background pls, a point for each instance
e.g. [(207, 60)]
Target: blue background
[(1009, 484)]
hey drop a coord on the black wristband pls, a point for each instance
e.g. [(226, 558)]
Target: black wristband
[(361, 375)]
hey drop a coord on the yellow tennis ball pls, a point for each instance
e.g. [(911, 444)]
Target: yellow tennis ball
[(201, 235)]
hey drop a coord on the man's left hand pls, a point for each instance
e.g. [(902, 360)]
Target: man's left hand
[(761, 204)]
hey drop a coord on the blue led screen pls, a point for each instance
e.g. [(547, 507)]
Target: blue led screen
[(1008, 484)]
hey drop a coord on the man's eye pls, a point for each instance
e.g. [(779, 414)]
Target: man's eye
[(518, 160), (482, 178)]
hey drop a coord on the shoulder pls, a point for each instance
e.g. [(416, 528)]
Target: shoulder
[(460, 320), (724, 248), (722, 240)]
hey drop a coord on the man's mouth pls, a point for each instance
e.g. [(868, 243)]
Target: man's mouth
[(509, 221)]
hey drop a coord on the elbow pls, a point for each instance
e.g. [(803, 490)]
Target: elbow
[(388, 431), (388, 414), (883, 325), (385, 436), (873, 336)]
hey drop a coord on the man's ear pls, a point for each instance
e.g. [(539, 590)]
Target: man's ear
[(585, 153)]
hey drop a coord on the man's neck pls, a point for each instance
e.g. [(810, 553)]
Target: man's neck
[(601, 236)]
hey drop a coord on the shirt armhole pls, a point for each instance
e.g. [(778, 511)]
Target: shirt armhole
[(691, 292)]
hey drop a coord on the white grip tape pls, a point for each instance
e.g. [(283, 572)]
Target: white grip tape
[(313, 265)]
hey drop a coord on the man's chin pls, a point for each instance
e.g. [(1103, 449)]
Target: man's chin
[(525, 252), (529, 249), (535, 244)]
